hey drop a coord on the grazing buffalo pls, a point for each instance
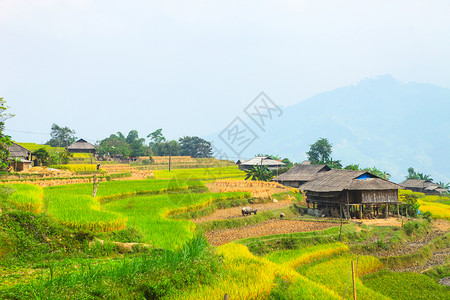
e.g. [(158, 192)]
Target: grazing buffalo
[(248, 211)]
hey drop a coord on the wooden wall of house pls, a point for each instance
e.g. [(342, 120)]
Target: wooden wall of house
[(327, 197), (354, 197), (379, 196)]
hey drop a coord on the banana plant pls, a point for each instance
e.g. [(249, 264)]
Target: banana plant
[(260, 173)]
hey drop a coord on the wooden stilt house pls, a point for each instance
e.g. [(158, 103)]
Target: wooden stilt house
[(423, 186), (19, 157), (346, 193), (259, 161), (301, 174), (81, 146)]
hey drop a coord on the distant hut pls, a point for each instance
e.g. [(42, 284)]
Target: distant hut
[(300, 174), (19, 157), (81, 146), (259, 161), (423, 186), (350, 194)]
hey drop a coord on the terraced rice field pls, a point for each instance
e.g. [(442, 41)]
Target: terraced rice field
[(223, 236), (236, 212)]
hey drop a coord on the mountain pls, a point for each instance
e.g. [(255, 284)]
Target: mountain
[(379, 122)]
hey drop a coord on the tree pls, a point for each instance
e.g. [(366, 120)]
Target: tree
[(261, 173), (42, 156), (412, 174), (194, 146), (157, 143), (287, 162), (5, 140), (444, 185), (136, 144), (166, 148), (353, 167), (320, 152), (60, 158), (156, 136), (382, 174), (61, 136), (334, 164), (115, 145)]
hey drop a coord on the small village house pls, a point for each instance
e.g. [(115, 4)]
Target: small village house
[(423, 186), (300, 174), (346, 193), (260, 161), (81, 146), (19, 157)]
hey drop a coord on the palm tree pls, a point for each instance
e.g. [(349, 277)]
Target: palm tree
[(444, 185), (424, 176), (258, 172)]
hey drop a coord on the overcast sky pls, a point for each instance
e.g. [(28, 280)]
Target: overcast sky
[(190, 67)]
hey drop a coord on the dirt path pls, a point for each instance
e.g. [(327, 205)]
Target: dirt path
[(235, 212), (220, 237), (383, 222)]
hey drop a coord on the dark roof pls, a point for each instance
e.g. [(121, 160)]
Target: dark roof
[(422, 184), (302, 172), (81, 144), (264, 160), (414, 183), (17, 151), (339, 180)]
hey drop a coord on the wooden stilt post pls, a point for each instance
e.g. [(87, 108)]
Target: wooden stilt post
[(361, 212), (340, 214), (386, 213), (398, 211), (354, 280)]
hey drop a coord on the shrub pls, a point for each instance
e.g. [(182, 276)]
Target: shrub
[(427, 215), (412, 204)]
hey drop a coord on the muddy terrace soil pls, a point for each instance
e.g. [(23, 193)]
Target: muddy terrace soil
[(236, 212), (220, 237)]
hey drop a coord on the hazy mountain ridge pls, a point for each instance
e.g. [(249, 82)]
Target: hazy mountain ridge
[(383, 122)]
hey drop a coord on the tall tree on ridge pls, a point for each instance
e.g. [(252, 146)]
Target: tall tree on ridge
[(61, 136)]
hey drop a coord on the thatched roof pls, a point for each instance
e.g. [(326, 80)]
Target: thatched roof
[(81, 145), (17, 151), (423, 184), (264, 160), (415, 183), (302, 172), (339, 180)]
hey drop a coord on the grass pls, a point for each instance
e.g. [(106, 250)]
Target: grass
[(24, 196), (335, 273), (150, 276), (297, 258), (420, 256), (201, 173), (81, 212), (405, 285), (149, 215), (438, 210), (108, 191), (74, 206), (439, 272), (33, 147), (76, 167), (266, 244), (438, 206), (250, 277)]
